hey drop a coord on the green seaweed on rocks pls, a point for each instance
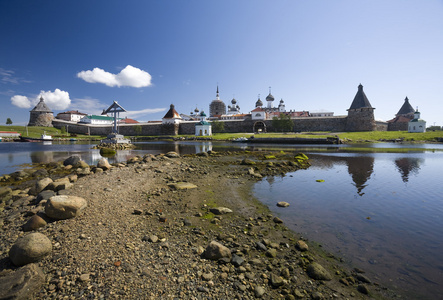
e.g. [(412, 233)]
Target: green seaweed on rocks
[(301, 157), (107, 152), (270, 157)]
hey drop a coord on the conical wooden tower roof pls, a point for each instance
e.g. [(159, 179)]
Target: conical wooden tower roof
[(172, 113), (360, 100), (406, 108), (41, 106)]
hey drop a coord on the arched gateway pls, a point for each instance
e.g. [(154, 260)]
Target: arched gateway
[(259, 127)]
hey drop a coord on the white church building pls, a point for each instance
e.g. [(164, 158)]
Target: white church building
[(417, 124)]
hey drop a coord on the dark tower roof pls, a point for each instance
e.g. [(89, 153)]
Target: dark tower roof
[(406, 108), (360, 100), (41, 106), (172, 113)]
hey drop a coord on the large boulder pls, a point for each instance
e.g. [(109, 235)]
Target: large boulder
[(172, 154), (30, 248), (64, 207), (19, 175), (83, 172), (316, 271), (215, 251), (103, 164), (72, 160), (22, 283), (220, 210), (34, 223), (59, 185), (5, 194), (45, 195), (302, 246), (82, 164), (40, 173), (41, 185)]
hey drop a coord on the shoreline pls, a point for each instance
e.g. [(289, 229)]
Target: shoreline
[(142, 236)]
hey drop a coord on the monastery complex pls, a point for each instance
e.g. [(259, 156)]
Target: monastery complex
[(360, 117)]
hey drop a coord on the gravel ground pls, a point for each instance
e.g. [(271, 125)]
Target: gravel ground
[(142, 236)]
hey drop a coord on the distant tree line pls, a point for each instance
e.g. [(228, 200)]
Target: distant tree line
[(283, 123), (434, 128), (218, 126)]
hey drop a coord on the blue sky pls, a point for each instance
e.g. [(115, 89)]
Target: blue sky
[(148, 54)]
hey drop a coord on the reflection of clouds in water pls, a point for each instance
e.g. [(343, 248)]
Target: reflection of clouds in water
[(407, 166)]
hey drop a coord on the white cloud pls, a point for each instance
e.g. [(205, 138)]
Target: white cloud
[(134, 114), (56, 100), (129, 76), (21, 101)]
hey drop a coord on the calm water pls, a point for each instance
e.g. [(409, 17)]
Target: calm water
[(14, 155), (382, 212)]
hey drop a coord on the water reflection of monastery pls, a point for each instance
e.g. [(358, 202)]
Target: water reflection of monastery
[(407, 166), (360, 168)]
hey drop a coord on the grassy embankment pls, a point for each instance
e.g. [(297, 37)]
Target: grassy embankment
[(36, 132), (354, 137)]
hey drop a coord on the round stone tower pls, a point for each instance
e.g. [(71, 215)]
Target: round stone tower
[(217, 106), (361, 113), (41, 115)]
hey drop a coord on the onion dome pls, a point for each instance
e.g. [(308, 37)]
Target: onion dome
[(270, 97), (281, 101), (258, 103), (196, 110), (233, 101)]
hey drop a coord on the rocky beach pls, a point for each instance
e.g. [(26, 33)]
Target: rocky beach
[(162, 227)]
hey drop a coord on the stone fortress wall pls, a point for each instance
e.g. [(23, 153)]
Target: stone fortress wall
[(337, 124), (360, 118)]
